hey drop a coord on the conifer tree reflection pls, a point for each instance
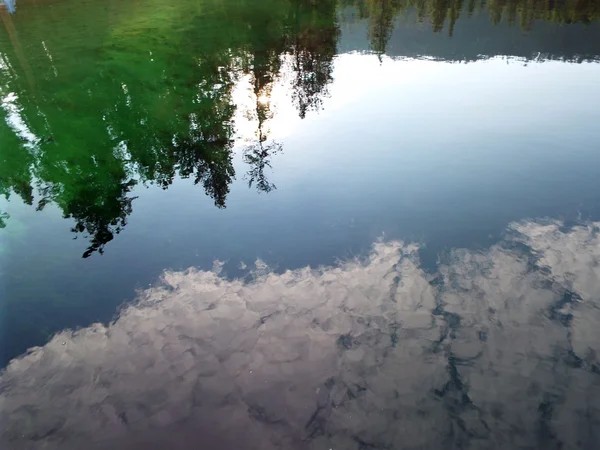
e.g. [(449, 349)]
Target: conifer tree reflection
[(382, 14), (313, 47), (444, 14), (203, 152), (308, 41), (257, 154), (264, 72)]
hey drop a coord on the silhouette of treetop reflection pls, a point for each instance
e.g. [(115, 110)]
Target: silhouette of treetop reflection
[(146, 96), (441, 14)]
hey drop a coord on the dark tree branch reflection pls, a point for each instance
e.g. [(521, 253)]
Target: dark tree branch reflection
[(313, 49), (257, 157)]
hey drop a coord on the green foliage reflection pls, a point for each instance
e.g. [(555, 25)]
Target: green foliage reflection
[(148, 95), (148, 98)]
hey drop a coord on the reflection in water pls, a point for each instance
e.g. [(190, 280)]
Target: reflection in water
[(82, 133), (3, 217), (257, 157), (10, 5), (445, 13), (497, 349), (166, 126)]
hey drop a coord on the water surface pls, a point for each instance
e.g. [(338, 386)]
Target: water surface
[(144, 137)]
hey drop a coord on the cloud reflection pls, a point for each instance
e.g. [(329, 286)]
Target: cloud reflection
[(496, 350)]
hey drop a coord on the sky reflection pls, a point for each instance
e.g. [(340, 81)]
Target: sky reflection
[(497, 349)]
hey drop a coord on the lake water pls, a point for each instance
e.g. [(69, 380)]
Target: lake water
[(296, 224)]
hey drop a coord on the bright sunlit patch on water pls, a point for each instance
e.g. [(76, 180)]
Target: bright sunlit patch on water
[(269, 113), (15, 121)]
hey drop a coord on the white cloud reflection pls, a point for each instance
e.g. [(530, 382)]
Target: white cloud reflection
[(497, 350)]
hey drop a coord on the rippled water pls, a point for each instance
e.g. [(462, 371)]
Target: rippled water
[(299, 224)]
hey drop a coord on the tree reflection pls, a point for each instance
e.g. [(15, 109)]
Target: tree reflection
[(443, 14), (148, 97), (257, 156), (308, 44), (313, 47), (85, 146), (3, 217), (101, 212)]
